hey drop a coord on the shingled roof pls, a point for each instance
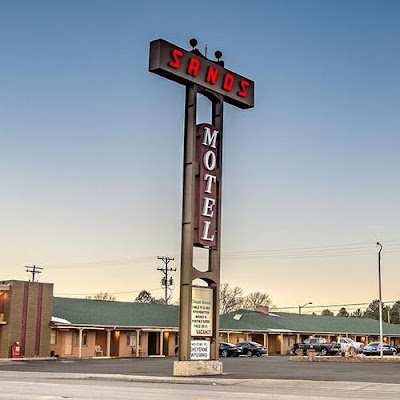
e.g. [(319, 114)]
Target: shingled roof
[(115, 313), (103, 313), (258, 321)]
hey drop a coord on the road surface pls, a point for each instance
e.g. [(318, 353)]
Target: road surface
[(31, 386)]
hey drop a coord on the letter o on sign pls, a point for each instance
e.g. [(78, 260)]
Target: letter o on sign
[(210, 160)]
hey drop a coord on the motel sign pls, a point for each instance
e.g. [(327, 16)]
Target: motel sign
[(201, 209), (206, 187)]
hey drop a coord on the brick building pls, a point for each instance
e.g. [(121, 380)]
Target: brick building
[(85, 328), (278, 331), (25, 314), (123, 329)]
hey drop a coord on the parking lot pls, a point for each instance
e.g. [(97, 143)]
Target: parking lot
[(266, 367)]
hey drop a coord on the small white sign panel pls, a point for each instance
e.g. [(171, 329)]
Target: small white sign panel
[(202, 305), (200, 350)]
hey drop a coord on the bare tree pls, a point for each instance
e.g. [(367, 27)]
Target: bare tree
[(102, 296), (256, 299), (145, 297), (230, 299)]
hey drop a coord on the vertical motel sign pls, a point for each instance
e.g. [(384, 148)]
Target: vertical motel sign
[(202, 174)]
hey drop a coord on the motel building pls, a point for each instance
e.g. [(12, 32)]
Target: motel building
[(43, 325)]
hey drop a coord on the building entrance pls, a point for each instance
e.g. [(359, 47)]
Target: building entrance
[(153, 346)]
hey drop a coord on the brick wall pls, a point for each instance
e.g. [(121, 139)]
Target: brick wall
[(27, 311)]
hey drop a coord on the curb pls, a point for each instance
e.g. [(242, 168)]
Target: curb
[(172, 380), (359, 360), (129, 378), (21, 359)]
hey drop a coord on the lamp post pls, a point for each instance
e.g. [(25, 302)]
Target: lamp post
[(304, 305), (380, 299)]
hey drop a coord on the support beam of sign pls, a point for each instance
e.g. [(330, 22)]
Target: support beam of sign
[(189, 171), (188, 272)]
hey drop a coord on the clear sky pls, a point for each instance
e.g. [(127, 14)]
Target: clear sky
[(91, 145)]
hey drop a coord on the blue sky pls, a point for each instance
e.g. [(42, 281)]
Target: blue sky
[(91, 144)]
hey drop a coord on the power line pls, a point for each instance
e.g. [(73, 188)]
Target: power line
[(326, 251), (92, 293), (332, 305), (103, 263)]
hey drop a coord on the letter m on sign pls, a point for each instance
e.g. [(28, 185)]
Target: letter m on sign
[(210, 137)]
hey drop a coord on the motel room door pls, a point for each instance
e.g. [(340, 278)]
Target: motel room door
[(153, 343), (68, 343)]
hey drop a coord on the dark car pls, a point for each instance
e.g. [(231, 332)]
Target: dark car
[(319, 345), (225, 350), (251, 349), (374, 349), (229, 350)]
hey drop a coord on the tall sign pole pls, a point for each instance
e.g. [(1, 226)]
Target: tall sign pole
[(380, 300), (202, 183)]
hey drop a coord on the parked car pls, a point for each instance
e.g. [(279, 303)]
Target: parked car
[(251, 349), (229, 350), (225, 350), (347, 344), (374, 349), (320, 345)]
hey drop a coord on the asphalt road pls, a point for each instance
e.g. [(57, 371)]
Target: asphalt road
[(235, 368), (22, 387)]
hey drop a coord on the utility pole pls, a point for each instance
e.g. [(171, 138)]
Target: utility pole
[(33, 270), (380, 299), (165, 282)]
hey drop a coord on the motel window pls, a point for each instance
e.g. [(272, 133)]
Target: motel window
[(53, 336), (131, 339), (84, 338)]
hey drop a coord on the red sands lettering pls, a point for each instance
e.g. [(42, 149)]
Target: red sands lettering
[(193, 67), (175, 63), (228, 82), (243, 85), (212, 75)]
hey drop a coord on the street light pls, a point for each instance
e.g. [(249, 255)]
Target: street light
[(380, 298), (304, 305)]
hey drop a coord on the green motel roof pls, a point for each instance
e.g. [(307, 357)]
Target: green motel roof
[(256, 321), (115, 313), (103, 313)]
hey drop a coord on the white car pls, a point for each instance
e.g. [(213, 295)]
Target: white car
[(346, 344)]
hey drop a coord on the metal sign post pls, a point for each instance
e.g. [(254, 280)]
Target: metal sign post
[(202, 182)]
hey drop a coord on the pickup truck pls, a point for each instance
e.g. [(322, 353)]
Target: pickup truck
[(320, 345)]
